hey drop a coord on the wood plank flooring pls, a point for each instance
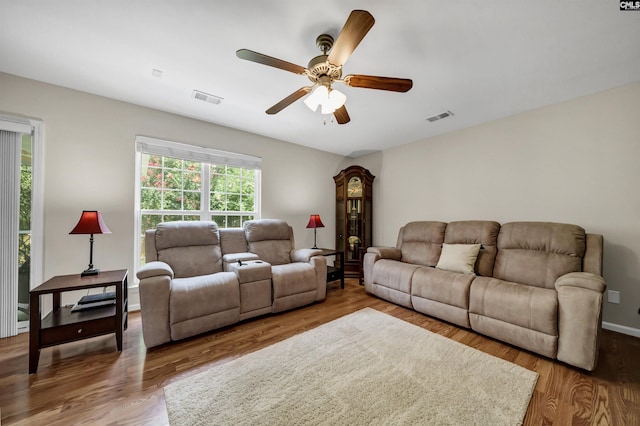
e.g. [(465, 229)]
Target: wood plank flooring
[(89, 382)]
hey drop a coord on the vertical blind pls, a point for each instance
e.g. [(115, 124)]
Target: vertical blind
[(10, 146)]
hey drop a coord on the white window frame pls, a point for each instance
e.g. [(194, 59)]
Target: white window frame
[(149, 145)]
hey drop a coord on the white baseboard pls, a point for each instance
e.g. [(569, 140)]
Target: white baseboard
[(621, 329)]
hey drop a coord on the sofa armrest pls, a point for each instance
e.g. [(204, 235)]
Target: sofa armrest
[(372, 255), (304, 255), (580, 297), (154, 269), (386, 252), (154, 291), (584, 280), (233, 258), (319, 264)]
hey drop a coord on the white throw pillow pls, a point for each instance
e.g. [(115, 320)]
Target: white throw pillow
[(459, 257)]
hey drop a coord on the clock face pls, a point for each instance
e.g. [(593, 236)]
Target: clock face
[(354, 188)]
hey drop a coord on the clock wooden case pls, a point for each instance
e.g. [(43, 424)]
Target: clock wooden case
[(353, 215)]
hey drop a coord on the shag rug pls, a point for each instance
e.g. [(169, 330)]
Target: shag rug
[(364, 368)]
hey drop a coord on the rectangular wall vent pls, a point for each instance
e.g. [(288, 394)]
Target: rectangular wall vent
[(206, 97), (440, 116)]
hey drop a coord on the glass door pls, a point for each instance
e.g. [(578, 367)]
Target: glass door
[(24, 232)]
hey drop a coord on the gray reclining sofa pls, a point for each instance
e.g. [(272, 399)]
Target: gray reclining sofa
[(536, 285)]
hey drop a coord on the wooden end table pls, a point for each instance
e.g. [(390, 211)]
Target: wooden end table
[(63, 326), (334, 273)]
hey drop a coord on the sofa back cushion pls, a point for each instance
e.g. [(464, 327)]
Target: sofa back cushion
[(483, 232), (232, 240), (537, 253), (421, 242), (270, 239), (191, 248)]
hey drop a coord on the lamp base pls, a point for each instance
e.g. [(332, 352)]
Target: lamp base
[(89, 272)]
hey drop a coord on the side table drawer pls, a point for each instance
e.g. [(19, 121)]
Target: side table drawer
[(71, 332)]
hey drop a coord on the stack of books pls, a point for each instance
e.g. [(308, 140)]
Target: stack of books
[(92, 301)]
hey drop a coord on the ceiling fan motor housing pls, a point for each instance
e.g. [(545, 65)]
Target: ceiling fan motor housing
[(319, 69)]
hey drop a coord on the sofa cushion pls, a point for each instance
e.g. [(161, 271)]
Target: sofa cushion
[(421, 242), (190, 248), (393, 274), (483, 232), (442, 286), (186, 233), (201, 296), (537, 253), (459, 258), (294, 285), (270, 239), (293, 278), (442, 294), (232, 240), (526, 306)]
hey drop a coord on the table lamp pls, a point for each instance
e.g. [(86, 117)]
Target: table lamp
[(90, 222), (315, 222)]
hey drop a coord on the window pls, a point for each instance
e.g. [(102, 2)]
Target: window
[(184, 182)]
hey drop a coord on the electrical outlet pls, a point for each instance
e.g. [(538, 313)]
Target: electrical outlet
[(613, 296)]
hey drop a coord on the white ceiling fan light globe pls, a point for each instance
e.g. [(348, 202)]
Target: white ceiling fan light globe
[(337, 99), (328, 99), (318, 96), (326, 109)]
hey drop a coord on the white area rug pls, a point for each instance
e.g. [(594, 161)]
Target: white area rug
[(363, 368)]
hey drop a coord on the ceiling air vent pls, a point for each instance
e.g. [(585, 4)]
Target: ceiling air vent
[(440, 116), (206, 97)]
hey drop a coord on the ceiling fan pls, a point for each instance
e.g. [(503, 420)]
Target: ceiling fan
[(326, 69)]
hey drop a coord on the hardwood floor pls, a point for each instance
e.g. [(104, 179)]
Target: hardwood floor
[(89, 382)]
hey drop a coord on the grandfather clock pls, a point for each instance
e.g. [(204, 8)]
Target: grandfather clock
[(353, 216)]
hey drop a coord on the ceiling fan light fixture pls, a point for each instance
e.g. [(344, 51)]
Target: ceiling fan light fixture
[(317, 97), (326, 98), (336, 99)]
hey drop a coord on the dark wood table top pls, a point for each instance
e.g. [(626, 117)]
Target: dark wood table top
[(75, 281)]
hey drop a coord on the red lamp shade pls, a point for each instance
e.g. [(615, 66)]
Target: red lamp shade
[(315, 222), (90, 222)]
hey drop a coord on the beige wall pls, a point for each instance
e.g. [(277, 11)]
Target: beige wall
[(89, 164), (575, 162)]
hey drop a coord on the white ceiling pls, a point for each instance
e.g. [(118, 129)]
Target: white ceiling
[(482, 60)]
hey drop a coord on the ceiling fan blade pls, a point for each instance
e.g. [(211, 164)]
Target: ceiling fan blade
[(357, 26), (379, 83), (341, 115), (288, 100), (252, 56)]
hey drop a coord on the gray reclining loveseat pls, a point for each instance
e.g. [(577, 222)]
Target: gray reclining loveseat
[(199, 278)]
